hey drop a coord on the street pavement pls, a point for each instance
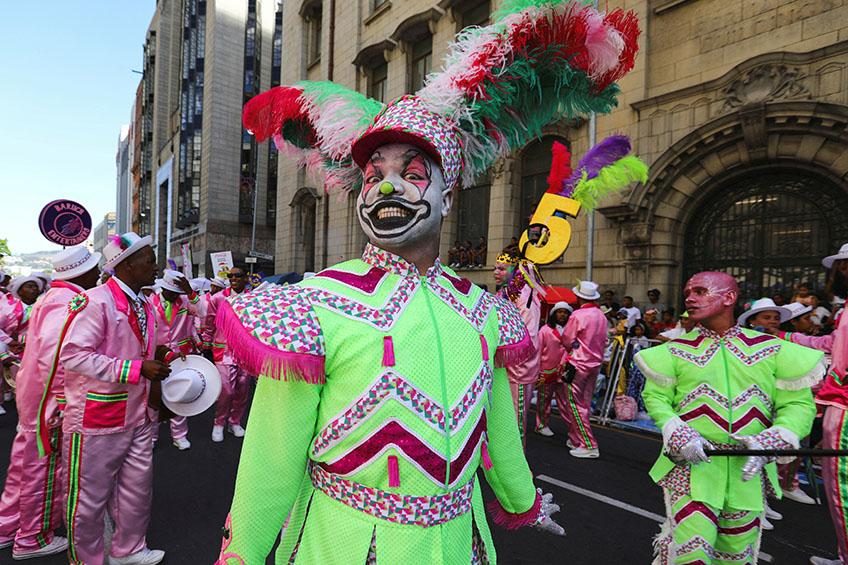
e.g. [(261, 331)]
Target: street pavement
[(610, 506)]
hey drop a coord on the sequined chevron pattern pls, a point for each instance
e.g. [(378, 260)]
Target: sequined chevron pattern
[(749, 349), (511, 328), (751, 405), (394, 386)]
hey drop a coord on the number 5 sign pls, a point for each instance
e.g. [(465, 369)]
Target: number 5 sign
[(553, 242)]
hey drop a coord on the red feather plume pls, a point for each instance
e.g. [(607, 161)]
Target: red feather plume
[(560, 167), (265, 113)]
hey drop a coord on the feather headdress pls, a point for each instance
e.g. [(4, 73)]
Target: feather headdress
[(540, 61)]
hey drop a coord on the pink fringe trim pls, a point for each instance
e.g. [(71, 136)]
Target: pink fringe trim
[(262, 359), (394, 472), (511, 521), (388, 352), (484, 454), (513, 354), (484, 345)]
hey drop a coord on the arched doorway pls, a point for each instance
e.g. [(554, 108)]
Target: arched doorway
[(769, 229), (304, 219)]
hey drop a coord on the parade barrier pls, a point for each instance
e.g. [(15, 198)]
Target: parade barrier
[(619, 364)]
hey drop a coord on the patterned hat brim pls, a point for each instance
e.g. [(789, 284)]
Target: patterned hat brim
[(365, 146)]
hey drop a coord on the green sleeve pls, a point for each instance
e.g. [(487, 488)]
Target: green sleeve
[(798, 367), (795, 411), (509, 476), (271, 468), (657, 364)]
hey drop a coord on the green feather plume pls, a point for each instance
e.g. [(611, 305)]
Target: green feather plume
[(609, 179)]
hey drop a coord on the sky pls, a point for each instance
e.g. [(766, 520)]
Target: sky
[(66, 88)]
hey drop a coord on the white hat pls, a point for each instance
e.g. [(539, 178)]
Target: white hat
[(18, 282), (42, 275), (194, 386), (169, 281), (157, 284), (562, 305), (796, 309), (764, 305), (200, 284), (219, 282), (587, 290), (843, 254), (72, 262), (121, 247)]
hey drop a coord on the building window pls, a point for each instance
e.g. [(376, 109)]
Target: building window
[(473, 212), (377, 81), (191, 113), (276, 71), (535, 166), (768, 229), (420, 62), (476, 14), (313, 17), (376, 4), (304, 219)]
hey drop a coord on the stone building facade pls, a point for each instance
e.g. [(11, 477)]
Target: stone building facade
[(740, 108)]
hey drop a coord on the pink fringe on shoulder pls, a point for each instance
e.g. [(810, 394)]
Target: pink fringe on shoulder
[(513, 354), (511, 521), (262, 359)]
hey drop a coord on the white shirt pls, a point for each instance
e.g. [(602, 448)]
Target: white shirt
[(633, 314), (140, 297)]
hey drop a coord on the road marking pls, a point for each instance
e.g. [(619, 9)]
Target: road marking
[(764, 557)]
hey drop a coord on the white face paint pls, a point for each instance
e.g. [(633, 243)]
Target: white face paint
[(403, 199)]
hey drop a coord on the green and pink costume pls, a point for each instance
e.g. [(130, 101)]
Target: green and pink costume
[(742, 382), (383, 391)]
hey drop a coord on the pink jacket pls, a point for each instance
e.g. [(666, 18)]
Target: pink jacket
[(553, 353), (527, 372), (585, 337), (14, 319), (102, 356), (834, 389), (178, 332), (48, 318)]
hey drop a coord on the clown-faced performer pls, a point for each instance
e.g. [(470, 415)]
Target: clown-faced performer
[(175, 308), (724, 387), (552, 356), (235, 380), (31, 506), (383, 386), (108, 358), (519, 282)]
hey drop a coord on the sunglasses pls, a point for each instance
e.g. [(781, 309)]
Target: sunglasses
[(235, 275)]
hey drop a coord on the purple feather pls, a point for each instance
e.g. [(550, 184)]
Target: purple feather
[(605, 153)]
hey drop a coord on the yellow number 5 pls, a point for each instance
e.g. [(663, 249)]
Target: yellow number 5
[(550, 246)]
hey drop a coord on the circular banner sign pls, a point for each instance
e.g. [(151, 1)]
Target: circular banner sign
[(65, 222)]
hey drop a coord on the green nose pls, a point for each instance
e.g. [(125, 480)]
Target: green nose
[(386, 188)]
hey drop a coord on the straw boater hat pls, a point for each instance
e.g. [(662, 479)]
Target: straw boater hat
[(169, 281), (18, 282), (121, 247), (70, 263), (194, 386), (830, 259), (796, 310), (587, 290), (764, 305)]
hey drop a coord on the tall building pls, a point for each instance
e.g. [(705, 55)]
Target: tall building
[(102, 231), (202, 180), (123, 196), (739, 108)]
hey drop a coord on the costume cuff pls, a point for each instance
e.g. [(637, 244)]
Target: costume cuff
[(130, 372), (786, 336), (194, 298), (511, 521), (778, 437), (170, 356), (812, 377), (676, 434)]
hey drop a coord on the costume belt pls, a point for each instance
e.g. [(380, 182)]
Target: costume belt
[(393, 507)]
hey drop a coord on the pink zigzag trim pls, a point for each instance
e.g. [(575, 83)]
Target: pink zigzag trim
[(512, 354)]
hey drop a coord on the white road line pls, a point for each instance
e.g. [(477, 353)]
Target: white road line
[(764, 557)]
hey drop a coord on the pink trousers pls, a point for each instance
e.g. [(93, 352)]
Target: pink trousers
[(578, 408), (835, 474), (788, 473), (544, 395), (235, 386), (113, 471), (179, 427), (31, 505), (521, 395)]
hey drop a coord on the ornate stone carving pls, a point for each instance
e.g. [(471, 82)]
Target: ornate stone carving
[(765, 83)]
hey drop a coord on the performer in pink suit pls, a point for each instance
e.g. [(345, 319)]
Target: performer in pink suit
[(31, 505), (235, 381), (108, 449), (15, 312), (175, 309), (585, 338), (552, 358)]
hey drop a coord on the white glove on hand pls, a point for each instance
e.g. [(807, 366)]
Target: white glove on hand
[(693, 451), (545, 522), (754, 465)]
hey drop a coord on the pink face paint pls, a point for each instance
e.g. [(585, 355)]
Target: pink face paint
[(709, 294), (417, 173), (372, 176)]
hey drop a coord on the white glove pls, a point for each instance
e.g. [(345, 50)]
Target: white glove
[(754, 465), (545, 522)]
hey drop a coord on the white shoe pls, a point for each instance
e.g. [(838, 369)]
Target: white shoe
[(58, 545), (773, 514), (767, 526), (146, 556), (569, 445), (8, 396), (6, 543), (798, 495), (217, 434), (237, 430), (545, 431), (2, 410), (823, 561), (585, 453), (182, 443)]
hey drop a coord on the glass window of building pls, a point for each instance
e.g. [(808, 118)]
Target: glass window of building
[(420, 62), (377, 81)]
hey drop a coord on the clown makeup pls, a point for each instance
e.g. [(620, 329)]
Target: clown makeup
[(501, 273), (403, 198), (710, 294)]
